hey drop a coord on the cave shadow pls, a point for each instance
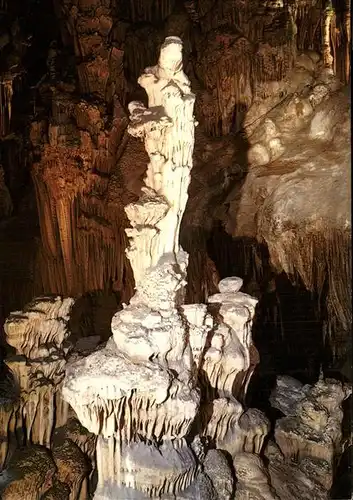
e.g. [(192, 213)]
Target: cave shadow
[(194, 238), (92, 313)]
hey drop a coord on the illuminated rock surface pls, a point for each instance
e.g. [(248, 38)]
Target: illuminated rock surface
[(140, 393)]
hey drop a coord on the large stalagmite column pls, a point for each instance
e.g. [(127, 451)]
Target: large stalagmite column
[(167, 128), (141, 389), (140, 393)]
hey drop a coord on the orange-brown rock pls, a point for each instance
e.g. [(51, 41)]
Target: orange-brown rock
[(29, 474), (72, 468)]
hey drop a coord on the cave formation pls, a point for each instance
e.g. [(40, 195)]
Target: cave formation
[(240, 242)]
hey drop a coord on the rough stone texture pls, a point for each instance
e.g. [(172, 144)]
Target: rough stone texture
[(252, 478), (217, 468), (140, 392), (59, 491), (291, 479), (29, 473), (39, 334), (312, 427), (72, 468)]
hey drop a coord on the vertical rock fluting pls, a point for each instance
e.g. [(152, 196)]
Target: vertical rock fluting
[(6, 93), (243, 46), (140, 393), (38, 333), (79, 192), (80, 206)]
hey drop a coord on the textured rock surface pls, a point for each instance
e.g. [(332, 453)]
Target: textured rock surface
[(312, 426), (139, 394), (39, 335), (72, 468), (29, 474), (274, 205), (252, 478), (217, 468), (292, 479)]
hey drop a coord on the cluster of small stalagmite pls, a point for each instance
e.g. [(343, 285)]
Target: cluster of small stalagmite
[(311, 430), (38, 334), (43, 447), (140, 394)]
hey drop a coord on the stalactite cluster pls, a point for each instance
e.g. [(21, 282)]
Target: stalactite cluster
[(237, 55), (79, 186), (72, 188), (151, 11), (38, 371), (235, 50), (173, 368), (327, 30), (43, 446)]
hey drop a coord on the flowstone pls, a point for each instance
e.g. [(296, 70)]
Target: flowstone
[(141, 394)]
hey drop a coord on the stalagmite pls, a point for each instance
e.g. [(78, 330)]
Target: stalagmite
[(140, 393), (167, 128), (39, 335), (309, 436), (311, 430)]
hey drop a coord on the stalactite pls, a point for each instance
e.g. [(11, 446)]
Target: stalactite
[(6, 93), (322, 258), (37, 369), (326, 41), (8, 87), (348, 41), (153, 11), (334, 42), (65, 219)]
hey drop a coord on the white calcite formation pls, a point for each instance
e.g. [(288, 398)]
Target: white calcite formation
[(229, 353), (311, 430), (38, 333), (141, 394), (167, 128)]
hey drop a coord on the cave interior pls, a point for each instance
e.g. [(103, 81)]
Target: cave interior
[(68, 167)]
